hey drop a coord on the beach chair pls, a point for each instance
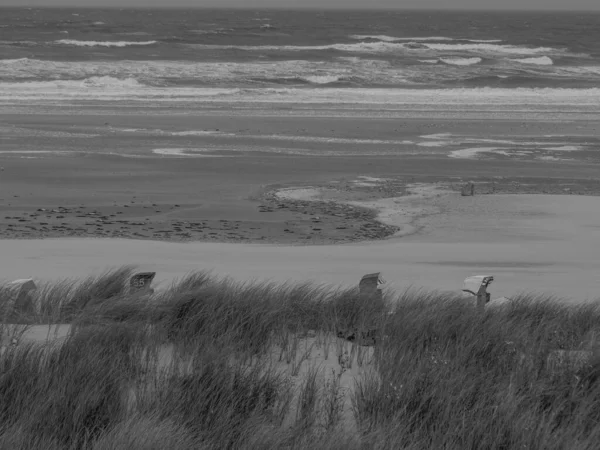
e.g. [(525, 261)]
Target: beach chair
[(370, 289), (20, 301), (370, 285), (140, 282), (477, 285), (468, 190)]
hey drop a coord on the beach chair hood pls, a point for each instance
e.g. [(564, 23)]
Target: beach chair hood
[(474, 283)]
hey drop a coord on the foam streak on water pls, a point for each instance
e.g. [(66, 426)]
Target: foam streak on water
[(299, 57)]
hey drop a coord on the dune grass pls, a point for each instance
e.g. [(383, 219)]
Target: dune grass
[(198, 366)]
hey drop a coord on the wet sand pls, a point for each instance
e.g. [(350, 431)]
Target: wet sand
[(236, 200), (110, 183)]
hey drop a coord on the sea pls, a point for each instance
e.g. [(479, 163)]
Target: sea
[(394, 58)]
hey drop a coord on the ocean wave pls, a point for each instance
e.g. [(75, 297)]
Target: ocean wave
[(385, 38), (492, 48), (457, 61), (564, 148), (135, 33), (186, 152), (111, 82), (330, 140), (353, 71), (215, 31), (322, 79), (19, 43), (357, 71), (383, 47), (77, 43), (541, 61), (59, 92), (418, 39), (362, 47), (13, 61), (88, 83), (199, 133), (581, 70), (469, 153)]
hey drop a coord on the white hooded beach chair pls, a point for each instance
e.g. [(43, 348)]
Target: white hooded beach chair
[(20, 301), (477, 285), (370, 284)]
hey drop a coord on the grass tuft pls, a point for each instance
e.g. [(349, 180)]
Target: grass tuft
[(213, 363)]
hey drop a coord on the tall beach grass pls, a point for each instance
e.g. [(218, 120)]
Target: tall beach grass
[(213, 363)]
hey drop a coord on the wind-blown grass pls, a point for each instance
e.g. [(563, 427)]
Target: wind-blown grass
[(198, 366)]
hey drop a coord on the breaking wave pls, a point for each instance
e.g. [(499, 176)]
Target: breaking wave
[(541, 61), (417, 39), (461, 61), (322, 79), (108, 88), (77, 43), (383, 47), (491, 48), (88, 83), (13, 61)]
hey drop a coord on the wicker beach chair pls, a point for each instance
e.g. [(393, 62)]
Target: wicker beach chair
[(140, 282)]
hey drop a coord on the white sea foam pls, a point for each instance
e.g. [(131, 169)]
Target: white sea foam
[(35, 152), (385, 38), (417, 39), (468, 153), (550, 158), (491, 141), (541, 61), (274, 137), (13, 61), (135, 33), (159, 132), (331, 140), (564, 148), (111, 82), (154, 72), (58, 92), (199, 133), (437, 136), (321, 79), (434, 144), (429, 61), (491, 48), (362, 47), (186, 152), (78, 43), (457, 61)]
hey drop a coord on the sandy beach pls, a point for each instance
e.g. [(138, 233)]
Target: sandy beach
[(84, 176), (540, 244), (254, 213)]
